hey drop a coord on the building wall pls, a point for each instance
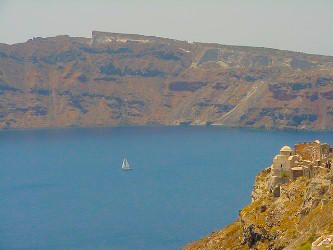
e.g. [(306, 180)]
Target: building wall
[(310, 151), (297, 173), (280, 160), (325, 150)]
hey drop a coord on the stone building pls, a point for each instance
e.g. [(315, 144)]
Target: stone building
[(304, 160), (323, 242), (313, 151)]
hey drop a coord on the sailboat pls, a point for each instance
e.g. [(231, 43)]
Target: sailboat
[(125, 166)]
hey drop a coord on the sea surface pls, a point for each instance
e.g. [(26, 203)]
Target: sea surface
[(64, 188)]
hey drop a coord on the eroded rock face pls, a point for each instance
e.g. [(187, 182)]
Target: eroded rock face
[(65, 81), (316, 194), (260, 187), (253, 235)]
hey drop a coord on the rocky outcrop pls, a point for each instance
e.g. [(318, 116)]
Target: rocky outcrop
[(302, 213), (66, 81)]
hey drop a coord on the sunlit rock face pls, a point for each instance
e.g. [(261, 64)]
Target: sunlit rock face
[(112, 79)]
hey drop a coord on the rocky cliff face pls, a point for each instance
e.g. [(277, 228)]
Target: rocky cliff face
[(114, 79), (302, 213)]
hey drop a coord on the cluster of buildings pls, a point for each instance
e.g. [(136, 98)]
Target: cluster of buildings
[(306, 159)]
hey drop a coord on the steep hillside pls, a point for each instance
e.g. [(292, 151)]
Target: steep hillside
[(302, 213), (114, 79)]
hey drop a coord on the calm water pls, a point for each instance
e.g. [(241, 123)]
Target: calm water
[(64, 189)]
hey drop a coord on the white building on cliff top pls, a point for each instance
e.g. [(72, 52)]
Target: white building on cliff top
[(305, 160)]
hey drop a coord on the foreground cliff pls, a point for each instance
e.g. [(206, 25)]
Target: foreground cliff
[(302, 213), (113, 79)]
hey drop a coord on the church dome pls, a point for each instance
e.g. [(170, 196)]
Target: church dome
[(286, 149)]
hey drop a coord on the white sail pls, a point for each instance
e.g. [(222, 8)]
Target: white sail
[(125, 165)]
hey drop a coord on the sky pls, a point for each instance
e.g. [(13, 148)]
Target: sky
[(297, 25)]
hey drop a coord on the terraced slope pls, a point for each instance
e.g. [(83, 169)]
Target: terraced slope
[(114, 79)]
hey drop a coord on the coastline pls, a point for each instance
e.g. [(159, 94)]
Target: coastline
[(168, 125)]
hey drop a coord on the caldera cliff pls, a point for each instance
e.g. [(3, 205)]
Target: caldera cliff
[(117, 79)]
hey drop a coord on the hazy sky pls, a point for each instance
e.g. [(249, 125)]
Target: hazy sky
[(299, 25)]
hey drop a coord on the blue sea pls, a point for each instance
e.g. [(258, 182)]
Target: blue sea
[(64, 188)]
